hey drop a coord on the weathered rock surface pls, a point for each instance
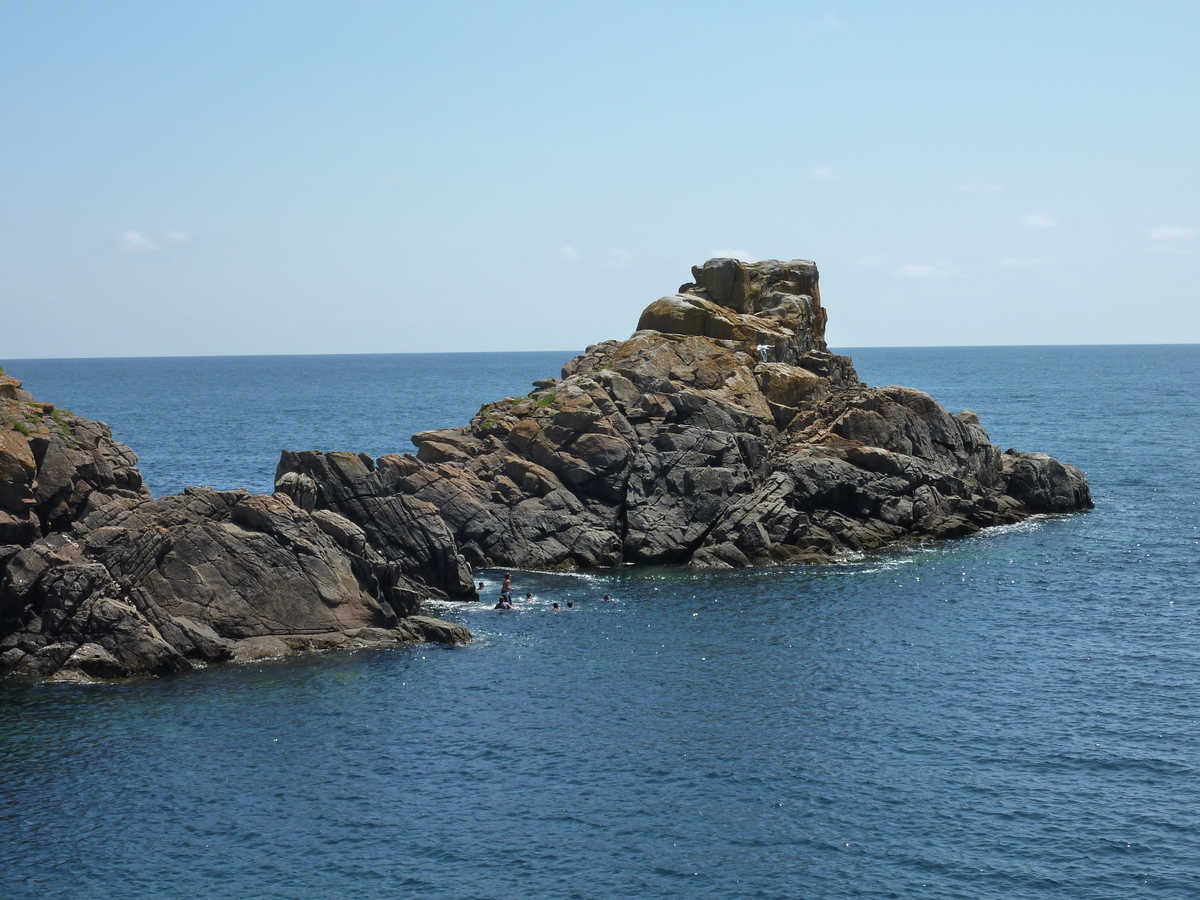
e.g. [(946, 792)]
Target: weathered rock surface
[(56, 467), (722, 433), (98, 580)]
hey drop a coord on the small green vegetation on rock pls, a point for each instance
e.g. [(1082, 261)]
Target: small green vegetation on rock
[(546, 400)]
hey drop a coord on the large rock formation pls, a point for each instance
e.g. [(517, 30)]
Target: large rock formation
[(722, 433), (98, 580)]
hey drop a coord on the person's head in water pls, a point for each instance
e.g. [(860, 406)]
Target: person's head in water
[(570, 605), (556, 606), (529, 596), (606, 597), (481, 585)]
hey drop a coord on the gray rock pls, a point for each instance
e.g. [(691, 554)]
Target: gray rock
[(205, 576), (722, 433), (1043, 484)]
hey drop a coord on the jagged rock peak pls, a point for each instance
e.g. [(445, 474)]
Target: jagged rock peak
[(771, 308)]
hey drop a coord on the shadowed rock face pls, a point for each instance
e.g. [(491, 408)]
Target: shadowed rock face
[(97, 580), (722, 433)]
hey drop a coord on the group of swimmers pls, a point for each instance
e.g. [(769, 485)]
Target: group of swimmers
[(506, 596)]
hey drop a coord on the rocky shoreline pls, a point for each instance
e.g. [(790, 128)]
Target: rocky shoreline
[(98, 580), (723, 433)]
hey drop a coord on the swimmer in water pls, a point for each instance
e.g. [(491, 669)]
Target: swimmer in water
[(556, 607), (507, 582), (529, 596), (608, 597)]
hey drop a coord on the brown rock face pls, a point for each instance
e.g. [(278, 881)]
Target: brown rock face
[(97, 580), (722, 433), (771, 306), (56, 467)]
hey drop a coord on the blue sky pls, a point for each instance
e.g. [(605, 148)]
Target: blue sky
[(229, 178)]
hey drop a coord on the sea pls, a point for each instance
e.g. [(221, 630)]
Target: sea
[(1011, 715)]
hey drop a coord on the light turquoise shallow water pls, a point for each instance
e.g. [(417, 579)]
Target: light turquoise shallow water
[(1011, 715)]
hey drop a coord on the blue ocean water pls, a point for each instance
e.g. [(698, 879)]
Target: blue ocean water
[(222, 421), (1016, 714)]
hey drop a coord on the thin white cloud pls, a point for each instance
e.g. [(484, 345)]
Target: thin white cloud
[(869, 261), (980, 189), (1039, 219), (1172, 234), (1172, 240), (569, 253), (1023, 262), (617, 258), (937, 269), (136, 242), (823, 173), (743, 255)]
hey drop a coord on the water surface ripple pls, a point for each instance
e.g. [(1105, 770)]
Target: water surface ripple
[(1010, 715)]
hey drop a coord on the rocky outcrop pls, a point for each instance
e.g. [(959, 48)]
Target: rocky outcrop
[(722, 433), (55, 467), (390, 527), (98, 580)]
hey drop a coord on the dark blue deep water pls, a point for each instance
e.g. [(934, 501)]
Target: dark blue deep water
[(1014, 715)]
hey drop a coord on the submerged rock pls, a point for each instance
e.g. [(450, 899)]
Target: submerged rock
[(721, 433)]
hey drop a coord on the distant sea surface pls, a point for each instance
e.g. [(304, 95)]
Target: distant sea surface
[(1013, 715)]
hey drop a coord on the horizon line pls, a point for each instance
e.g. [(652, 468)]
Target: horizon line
[(837, 350)]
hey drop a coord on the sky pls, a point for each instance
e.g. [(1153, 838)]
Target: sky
[(359, 177)]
